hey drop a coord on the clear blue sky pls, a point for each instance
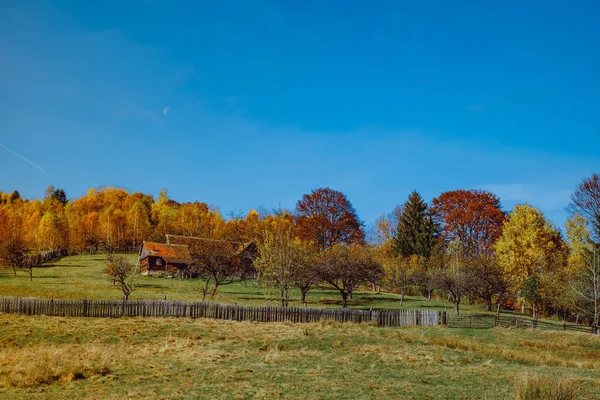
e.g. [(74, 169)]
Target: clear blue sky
[(268, 100)]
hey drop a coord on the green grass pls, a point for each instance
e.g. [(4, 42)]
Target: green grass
[(56, 358), (82, 276)]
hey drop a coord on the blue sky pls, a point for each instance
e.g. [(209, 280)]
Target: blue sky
[(268, 100)]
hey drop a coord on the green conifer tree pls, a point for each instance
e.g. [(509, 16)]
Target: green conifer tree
[(417, 232)]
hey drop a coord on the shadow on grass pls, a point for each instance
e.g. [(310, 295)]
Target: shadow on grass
[(150, 286), (44, 266)]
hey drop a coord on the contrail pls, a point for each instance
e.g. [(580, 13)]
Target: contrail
[(21, 157)]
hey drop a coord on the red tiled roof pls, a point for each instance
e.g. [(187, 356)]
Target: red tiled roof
[(169, 252)]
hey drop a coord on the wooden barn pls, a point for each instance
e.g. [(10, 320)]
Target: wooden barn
[(242, 254), (161, 258), (247, 250)]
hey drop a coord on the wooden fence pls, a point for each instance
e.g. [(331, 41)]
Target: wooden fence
[(485, 321), (183, 309)]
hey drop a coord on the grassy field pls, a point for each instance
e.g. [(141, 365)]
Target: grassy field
[(56, 358), (82, 276)]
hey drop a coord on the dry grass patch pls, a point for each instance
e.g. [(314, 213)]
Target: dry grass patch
[(537, 387), (33, 366)]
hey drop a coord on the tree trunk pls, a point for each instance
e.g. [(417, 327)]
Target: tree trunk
[(402, 297), (488, 304), (429, 291), (303, 295), (344, 299), (456, 305)]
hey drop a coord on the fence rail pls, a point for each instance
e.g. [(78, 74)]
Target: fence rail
[(183, 309), (485, 321)]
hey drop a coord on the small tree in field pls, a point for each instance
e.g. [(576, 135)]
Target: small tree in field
[(30, 262), (454, 277), (13, 254), (345, 267), (121, 273), (219, 262), (277, 261), (285, 262), (401, 273)]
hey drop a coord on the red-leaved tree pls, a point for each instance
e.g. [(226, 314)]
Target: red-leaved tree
[(325, 217), (471, 217)]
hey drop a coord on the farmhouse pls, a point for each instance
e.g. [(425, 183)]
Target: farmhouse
[(161, 258), (211, 251), (196, 244)]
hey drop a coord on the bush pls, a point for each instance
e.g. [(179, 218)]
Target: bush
[(535, 387)]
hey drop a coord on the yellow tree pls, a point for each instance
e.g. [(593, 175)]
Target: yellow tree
[(579, 240), (164, 214), (400, 273), (532, 254)]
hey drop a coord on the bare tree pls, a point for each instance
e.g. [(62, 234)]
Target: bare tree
[(586, 286), (30, 262), (586, 201), (219, 262), (121, 272), (345, 267), (487, 280)]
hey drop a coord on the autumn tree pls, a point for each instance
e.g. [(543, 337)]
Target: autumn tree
[(453, 276), (416, 231), (122, 273), (325, 218), (585, 201), (487, 280), (164, 215), (530, 246), (345, 267), (281, 262), (218, 262), (401, 272), (307, 273), (473, 217), (13, 254)]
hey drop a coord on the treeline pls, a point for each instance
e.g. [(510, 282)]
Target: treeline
[(462, 245)]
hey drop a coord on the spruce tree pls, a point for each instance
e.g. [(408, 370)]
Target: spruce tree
[(417, 232)]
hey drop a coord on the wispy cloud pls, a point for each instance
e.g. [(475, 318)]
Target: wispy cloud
[(21, 157)]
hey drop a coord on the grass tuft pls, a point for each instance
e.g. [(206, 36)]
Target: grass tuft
[(538, 387)]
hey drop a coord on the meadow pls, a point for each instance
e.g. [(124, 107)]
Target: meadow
[(55, 358), (83, 277), (94, 358)]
